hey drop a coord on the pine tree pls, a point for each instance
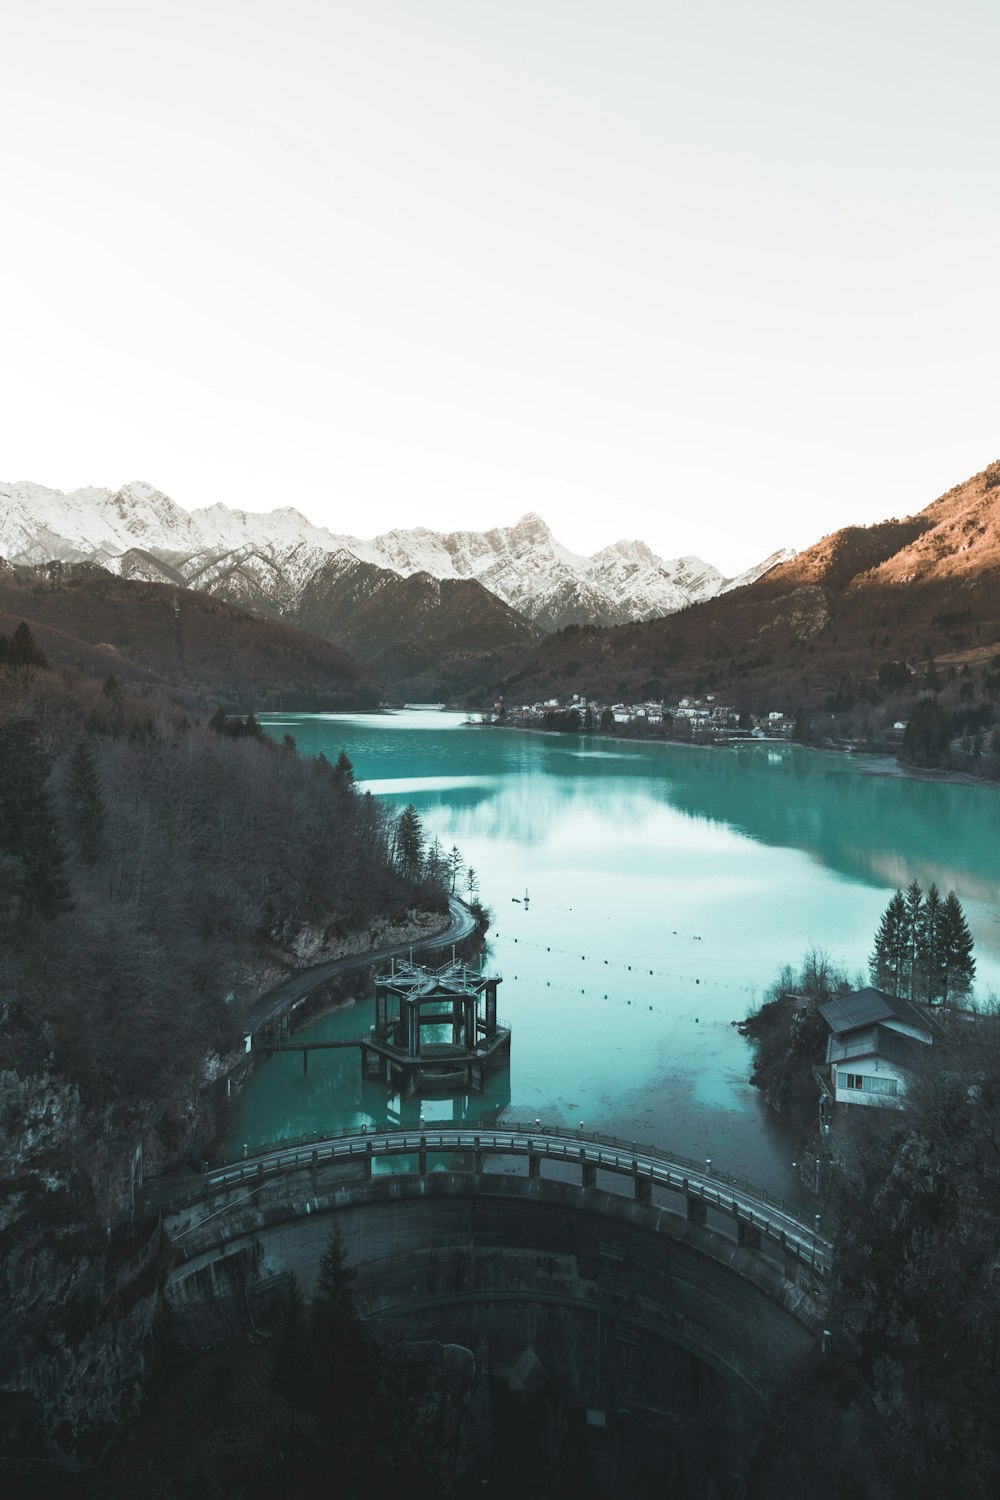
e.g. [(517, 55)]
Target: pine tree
[(334, 1299), (957, 965), (456, 864), (931, 974), (914, 958), (291, 1362), (345, 1374), (343, 772), (888, 961), (22, 651), (85, 802), (434, 863), (410, 842)]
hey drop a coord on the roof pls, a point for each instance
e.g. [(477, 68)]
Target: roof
[(875, 1041), (867, 1008)]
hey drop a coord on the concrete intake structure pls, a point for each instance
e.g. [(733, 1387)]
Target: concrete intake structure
[(409, 999), (667, 1334)]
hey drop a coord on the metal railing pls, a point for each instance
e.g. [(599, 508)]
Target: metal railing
[(753, 1208)]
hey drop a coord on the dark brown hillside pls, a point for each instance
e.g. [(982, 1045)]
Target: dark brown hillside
[(84, 617), (422, 634), (842, 556), (816, 628)]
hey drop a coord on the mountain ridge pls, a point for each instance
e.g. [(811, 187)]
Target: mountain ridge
[(523, 565), (829, 627)]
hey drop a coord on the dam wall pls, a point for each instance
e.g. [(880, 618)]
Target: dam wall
[(664, 1340)]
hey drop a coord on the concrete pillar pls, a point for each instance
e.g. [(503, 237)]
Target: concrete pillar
[(747, 1234), (423, 1156), (643, 1185), (534, 1163), (477, 1158), (368, 1161), (697, 1209), (588, 1171), (791, 1260)]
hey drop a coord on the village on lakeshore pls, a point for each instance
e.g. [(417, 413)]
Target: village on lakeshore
[(704, 720)]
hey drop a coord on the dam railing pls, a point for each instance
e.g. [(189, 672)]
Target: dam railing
[(758, 1215)]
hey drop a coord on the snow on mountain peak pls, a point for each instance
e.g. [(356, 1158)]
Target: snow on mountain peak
[(278, 551)]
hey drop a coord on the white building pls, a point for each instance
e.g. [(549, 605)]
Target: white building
[(874, 1040)]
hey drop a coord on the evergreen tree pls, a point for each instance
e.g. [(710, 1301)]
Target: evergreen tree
[(456, 864), (928, 734), (607, 720), (28, 828), (914, 961), (434, 863), (334, 1301), (22, 650), (472, 883), (888, 962), (343, 773), (344, 1369), (291, 1362), (85, 802), (410, 842), (588, 720), (931, 978), (957, 965)]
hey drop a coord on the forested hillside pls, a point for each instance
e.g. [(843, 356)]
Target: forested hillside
[(902, 1402), (846, 637), (156, 870), (157, 638)]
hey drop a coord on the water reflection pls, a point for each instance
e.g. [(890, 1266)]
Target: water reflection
[(668, 884)]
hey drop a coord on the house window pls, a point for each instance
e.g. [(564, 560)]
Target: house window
[(867, 1084)]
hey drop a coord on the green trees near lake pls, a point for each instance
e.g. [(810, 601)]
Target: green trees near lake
[(923, 947)]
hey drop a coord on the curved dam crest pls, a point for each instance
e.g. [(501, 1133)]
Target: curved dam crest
[(666, 1323)]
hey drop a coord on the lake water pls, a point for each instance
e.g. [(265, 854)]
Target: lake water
[(668, 885)]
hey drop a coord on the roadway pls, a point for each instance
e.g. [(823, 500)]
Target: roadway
[(737, 1199), (275, 1002)]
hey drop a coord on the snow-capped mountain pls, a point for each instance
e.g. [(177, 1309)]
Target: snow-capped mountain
[(266, 561)]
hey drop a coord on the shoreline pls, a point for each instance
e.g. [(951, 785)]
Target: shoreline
[(866, 762)]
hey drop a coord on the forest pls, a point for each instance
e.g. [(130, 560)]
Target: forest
[(151, 865), (898, 1399), (157, 870)]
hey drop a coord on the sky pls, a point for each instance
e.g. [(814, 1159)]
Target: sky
[(719, 274)]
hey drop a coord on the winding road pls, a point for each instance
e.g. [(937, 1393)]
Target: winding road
[(275, 1002)]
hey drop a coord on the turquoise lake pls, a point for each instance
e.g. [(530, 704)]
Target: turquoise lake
[(667, 886)]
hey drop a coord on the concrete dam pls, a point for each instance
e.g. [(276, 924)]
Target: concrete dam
[(658, 1304)]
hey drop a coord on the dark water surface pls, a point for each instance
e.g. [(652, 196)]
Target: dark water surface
[(667, 887)]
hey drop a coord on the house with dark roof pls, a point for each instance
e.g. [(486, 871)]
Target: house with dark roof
[(874, 1041)]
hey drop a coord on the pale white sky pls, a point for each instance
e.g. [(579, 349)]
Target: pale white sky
[(722, 274)]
